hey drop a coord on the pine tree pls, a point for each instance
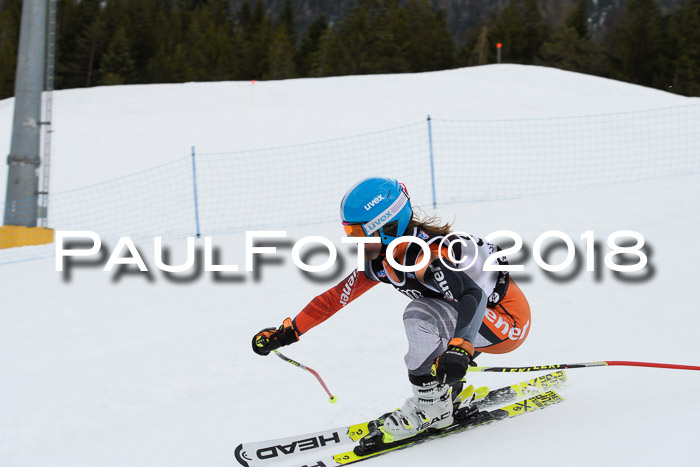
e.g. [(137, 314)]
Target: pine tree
[(146, 30), (253, 37), (262, 36), (636, 44), (196, 44), (93, 43), (9, 42), (480, 53), (424, 37), (567, 50), (117, 66), (578, 19), (521, 30), (387, 52), (208, 42), (281, 56), (330, 59), (353, 42), (182, 40), (686, 77), (81, 42), (684, 49), (288, 20), (368, 39), (225, 41), (443, 44), (169, 64), (310, 44)]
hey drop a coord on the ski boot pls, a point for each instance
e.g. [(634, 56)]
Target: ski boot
[(429, 409)]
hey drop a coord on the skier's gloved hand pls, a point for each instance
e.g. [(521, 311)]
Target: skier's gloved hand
[(270, 339), (452, 365)]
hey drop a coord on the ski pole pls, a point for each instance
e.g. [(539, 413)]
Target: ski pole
[(562, 366), (332, 399)]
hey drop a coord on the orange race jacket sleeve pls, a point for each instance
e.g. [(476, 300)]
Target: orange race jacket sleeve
[(329, 302)]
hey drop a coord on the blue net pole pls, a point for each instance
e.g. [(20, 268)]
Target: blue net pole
[(194, 186), (432, 164)]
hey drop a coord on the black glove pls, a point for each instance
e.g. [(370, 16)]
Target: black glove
[(452, 365), (270, 339)]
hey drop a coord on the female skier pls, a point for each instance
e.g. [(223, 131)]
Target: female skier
[(453, 315)]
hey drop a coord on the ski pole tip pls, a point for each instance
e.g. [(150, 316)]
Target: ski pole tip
[(333, 399)]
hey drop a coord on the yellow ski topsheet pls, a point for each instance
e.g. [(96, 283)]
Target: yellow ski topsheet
[(528, 405), (355, 432), (533, 403), (551, 380)]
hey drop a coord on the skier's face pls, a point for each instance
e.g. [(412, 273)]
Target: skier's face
[(372, 249)]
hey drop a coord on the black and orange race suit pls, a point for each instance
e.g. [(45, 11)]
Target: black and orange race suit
[(506, 322)]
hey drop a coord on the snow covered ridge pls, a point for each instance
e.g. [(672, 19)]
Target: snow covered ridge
[(106, 132)]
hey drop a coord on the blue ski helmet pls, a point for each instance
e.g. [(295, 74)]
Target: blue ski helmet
[(377, 205)]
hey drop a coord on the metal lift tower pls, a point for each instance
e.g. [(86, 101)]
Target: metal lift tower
[(22, 200)]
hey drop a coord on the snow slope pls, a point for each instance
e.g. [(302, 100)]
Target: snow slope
[(115, 370), (106, 132)]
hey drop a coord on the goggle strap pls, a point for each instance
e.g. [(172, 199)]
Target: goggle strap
[(386, 216)]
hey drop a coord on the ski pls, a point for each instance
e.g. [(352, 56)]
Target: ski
[(474, 419), (527, 388), (261, 452), (257, 453)]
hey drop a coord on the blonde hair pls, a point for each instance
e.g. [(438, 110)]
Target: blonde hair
[(432, 223)]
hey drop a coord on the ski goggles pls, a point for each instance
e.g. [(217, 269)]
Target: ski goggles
[(354, 230)]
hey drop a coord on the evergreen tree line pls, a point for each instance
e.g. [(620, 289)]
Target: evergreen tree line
[(164, 41)]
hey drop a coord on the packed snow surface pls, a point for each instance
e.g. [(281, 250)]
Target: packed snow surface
[(102, 369), (106, 132)]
